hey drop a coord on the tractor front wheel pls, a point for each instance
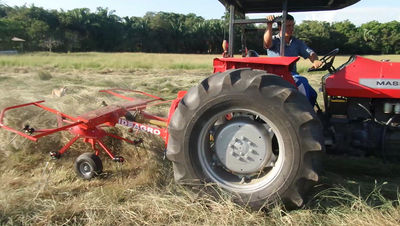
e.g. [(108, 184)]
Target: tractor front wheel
[(251, 133)]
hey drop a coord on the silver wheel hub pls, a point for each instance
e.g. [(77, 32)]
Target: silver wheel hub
[(85, 168), (243, 146)]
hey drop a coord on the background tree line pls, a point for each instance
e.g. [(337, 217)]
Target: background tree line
[(102, 30)]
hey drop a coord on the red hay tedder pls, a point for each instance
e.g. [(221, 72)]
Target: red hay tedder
[(89, 127), (247, 128)]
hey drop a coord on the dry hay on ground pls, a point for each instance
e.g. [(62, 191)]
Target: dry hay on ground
[(36, 191)]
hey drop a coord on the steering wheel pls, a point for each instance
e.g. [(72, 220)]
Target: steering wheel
[(327, 62)]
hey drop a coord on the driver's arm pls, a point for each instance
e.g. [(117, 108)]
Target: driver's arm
[(314, 60), (307, 52), (267, 39)]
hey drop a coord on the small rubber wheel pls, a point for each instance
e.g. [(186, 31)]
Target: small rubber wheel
[(88, 165)]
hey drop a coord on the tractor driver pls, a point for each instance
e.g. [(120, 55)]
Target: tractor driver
[(294, 47)]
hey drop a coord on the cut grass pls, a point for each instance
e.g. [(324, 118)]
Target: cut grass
[(44, 75), (104, 61), (352, 191), (130, 61)]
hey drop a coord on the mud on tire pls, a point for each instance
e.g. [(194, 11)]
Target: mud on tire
[(250, 132)]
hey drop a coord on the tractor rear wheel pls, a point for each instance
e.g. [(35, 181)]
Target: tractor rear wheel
[(251, 133)]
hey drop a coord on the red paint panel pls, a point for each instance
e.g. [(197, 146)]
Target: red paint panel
[(110, 114), (274, 65), (381, 77)]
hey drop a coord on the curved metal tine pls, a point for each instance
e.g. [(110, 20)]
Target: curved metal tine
[(12, 139)]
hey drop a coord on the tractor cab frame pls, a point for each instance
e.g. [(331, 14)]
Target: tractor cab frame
[(239, 8)]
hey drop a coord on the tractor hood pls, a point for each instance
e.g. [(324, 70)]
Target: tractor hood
[(272, 6)]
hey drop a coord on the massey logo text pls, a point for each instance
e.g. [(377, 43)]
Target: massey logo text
[(380, 83), (387, 83)]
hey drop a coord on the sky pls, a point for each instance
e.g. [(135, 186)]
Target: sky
[(359, 13)]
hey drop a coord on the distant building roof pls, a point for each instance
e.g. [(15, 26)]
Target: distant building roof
[(15, 39)]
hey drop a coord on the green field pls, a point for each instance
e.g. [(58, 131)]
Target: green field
[(34, 190), (129, 61)]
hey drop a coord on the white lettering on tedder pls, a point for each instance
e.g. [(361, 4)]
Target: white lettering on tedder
[(137, 126)]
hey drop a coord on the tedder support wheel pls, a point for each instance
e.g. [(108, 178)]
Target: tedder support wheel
[(88, 165), (249, 132)]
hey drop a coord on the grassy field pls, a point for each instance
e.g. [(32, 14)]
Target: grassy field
[(35, 190)]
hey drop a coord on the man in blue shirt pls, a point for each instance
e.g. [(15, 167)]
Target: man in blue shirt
[(294, 47)]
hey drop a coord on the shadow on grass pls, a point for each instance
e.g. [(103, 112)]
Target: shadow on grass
[(348, 180)]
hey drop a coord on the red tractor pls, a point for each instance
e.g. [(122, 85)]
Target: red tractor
[(247, 128)]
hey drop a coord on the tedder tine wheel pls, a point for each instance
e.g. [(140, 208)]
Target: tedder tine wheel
[(88, 165), (249, 132)]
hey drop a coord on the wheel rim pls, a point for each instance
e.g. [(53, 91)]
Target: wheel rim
[(230, 177), (85, 168)]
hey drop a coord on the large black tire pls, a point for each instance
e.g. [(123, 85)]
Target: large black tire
[(88, 165), (204, 143)]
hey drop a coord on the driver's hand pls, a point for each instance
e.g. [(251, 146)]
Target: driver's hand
[(316, 64), (270, 20)]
